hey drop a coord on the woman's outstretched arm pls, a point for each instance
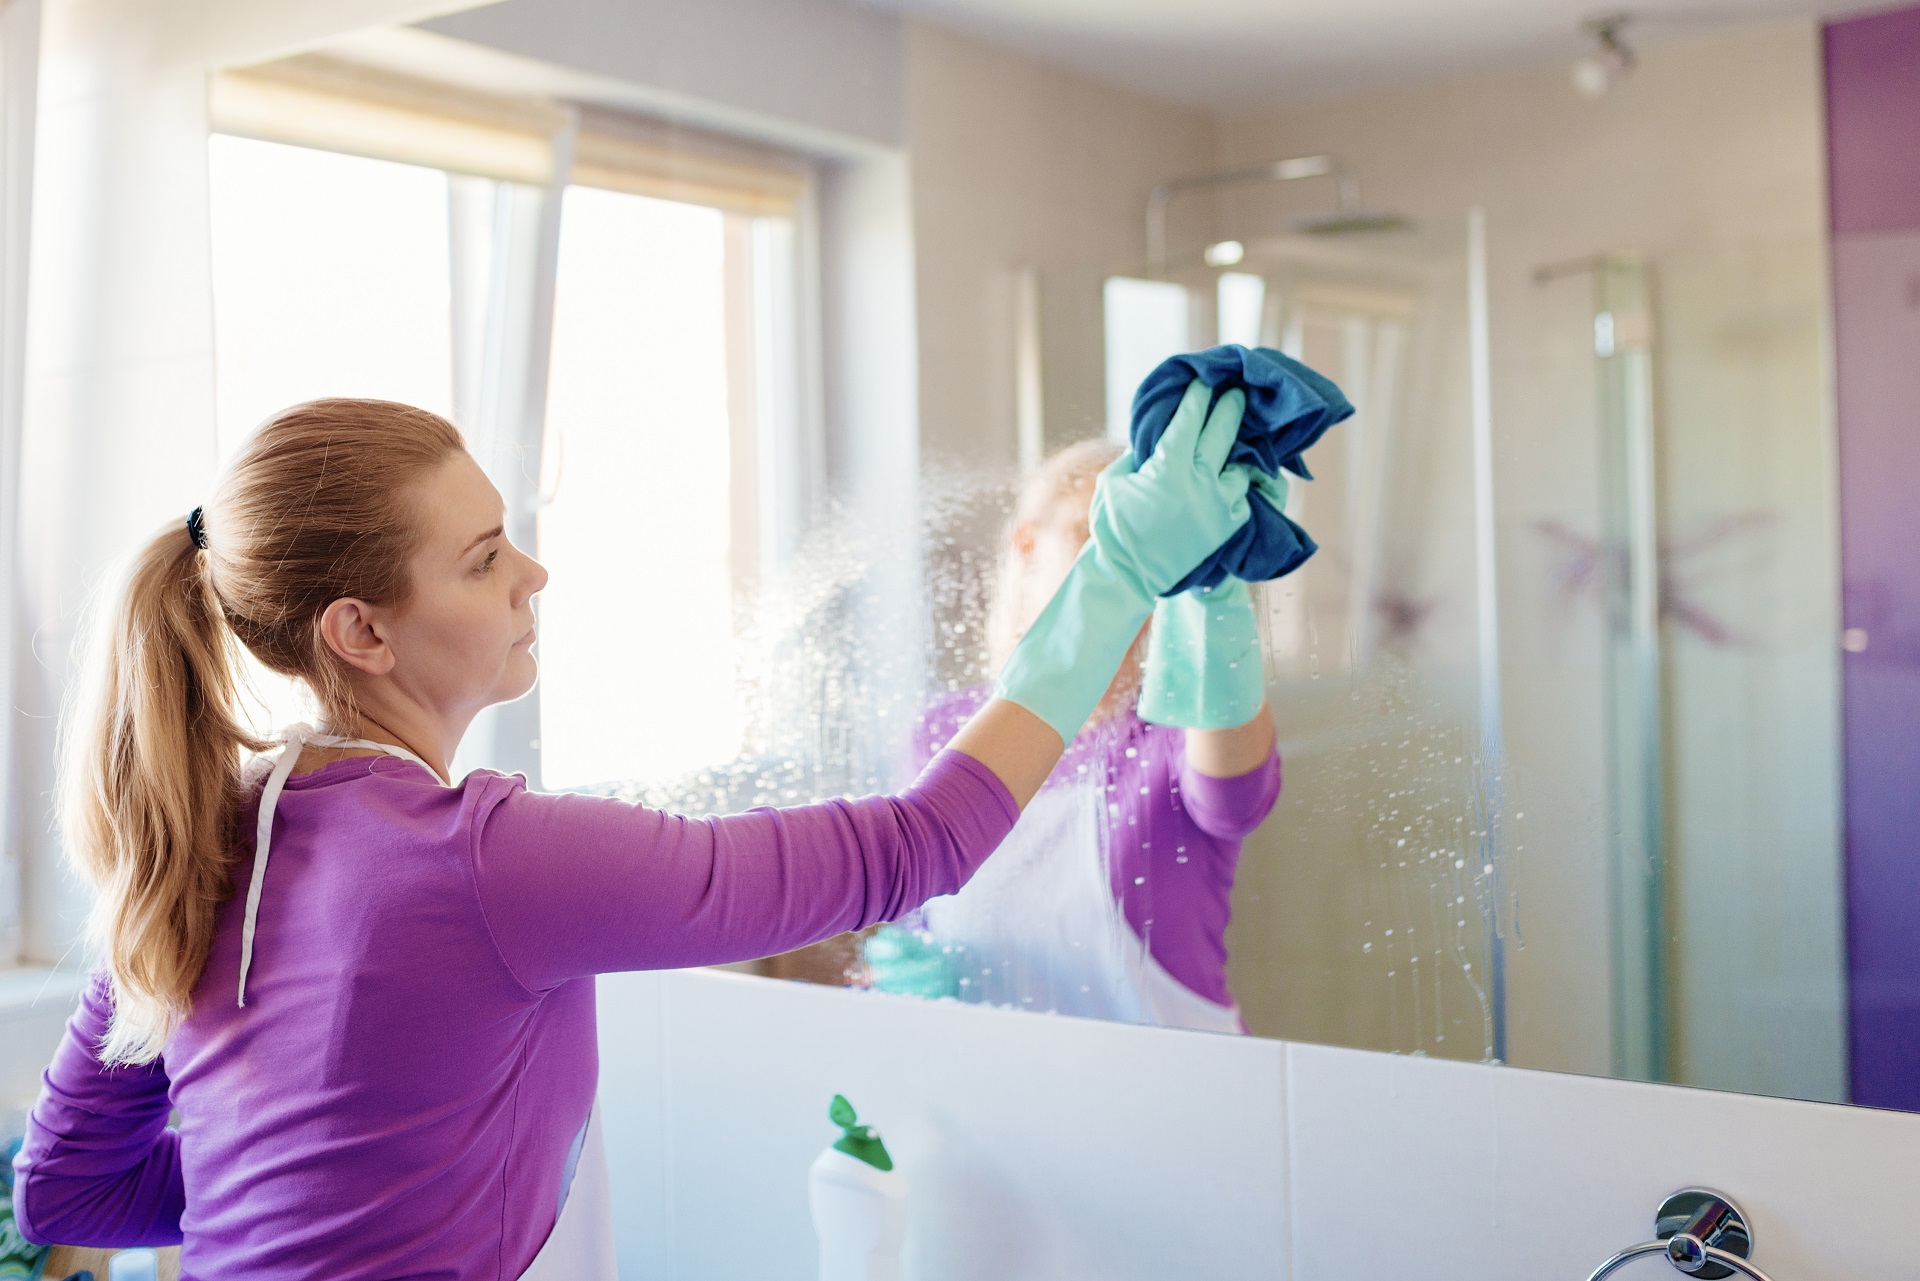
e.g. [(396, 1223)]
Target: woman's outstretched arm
[(574, 885), (577, 885), (1019, 747)]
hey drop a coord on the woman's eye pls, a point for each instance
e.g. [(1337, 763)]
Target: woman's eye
[(486, 565)]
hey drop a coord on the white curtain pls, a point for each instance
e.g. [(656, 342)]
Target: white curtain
[(19, 63), (115, 433)]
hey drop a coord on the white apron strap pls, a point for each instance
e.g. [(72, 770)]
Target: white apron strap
[(580, 1247), (295, 737)]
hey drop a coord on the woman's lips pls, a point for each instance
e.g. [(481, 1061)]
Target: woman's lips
[(527, 640)]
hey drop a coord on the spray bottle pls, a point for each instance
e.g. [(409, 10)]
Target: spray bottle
[(859, 1203)]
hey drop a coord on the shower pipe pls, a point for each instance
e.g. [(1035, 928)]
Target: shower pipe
[(1345, 184)]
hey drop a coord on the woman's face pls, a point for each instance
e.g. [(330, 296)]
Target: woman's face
[(1047, 549), (464, 638)]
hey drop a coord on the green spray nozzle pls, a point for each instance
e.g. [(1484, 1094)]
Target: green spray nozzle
[(862, 1142)]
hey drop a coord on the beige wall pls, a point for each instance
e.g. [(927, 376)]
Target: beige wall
[(1018, 165), (1709, 161)]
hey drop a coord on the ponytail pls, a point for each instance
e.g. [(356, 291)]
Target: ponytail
[(314, 508), (149, 788)]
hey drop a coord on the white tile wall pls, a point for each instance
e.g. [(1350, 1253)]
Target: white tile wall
[(1475, 1160), (1057, 1148)]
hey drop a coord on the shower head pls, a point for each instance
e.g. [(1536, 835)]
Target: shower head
[(1348, 222), (1346, 218)]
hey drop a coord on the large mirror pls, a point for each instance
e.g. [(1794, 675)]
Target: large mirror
[(1562, 779)]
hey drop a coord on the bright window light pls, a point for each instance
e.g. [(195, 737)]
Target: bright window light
[(330, 277), (636, 625), (1242, 298)]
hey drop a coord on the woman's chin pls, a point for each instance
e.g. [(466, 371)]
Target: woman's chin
[(517, 680)]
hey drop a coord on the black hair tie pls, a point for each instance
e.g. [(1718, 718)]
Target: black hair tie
[(197, 529)]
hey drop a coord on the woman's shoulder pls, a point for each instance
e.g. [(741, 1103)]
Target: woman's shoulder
[(400, 799)]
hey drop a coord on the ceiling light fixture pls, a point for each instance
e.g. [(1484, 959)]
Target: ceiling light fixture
[(1226, 253), (1608, 64)]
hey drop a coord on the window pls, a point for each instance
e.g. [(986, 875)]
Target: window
[(374, 239), (636, 528), (330, 278)]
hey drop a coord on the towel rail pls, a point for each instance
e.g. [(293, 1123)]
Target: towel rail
[(1701, 1232)]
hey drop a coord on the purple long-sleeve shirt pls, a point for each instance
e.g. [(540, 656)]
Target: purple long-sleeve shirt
[(417, 1051), (1174, 834)]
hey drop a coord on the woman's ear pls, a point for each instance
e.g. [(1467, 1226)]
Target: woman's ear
[(1023, 540), (350, 630)]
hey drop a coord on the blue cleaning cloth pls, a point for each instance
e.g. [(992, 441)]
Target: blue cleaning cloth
[(1289, 407)]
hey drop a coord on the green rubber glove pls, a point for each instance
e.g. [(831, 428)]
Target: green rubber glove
[(909, 962), (1147, 530), (1204, 668)]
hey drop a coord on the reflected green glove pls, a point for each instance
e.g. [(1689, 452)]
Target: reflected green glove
[(1204, 666), (909, 962), (1147, 530)]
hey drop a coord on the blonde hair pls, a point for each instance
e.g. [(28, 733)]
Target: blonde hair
[(312, 510), (1067, 475)]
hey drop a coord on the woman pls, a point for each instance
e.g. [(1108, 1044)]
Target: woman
[(365, 989), (1109, 898)]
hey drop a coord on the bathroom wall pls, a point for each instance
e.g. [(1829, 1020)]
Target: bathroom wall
[(816, 65), (1873, 87), (1059, 1149), (1018, 164), (1707, 161)]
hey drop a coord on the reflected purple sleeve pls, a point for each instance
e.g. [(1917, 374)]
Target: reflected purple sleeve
[(577, 885), (99, 1166), (1230, 808)]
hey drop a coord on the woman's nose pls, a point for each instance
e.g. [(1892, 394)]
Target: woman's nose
[(535, 577)]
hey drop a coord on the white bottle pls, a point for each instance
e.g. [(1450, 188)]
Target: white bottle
[(134, 1265), (859, 1204)]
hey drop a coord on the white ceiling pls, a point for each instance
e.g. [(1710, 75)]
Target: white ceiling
[(1244, 55)]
